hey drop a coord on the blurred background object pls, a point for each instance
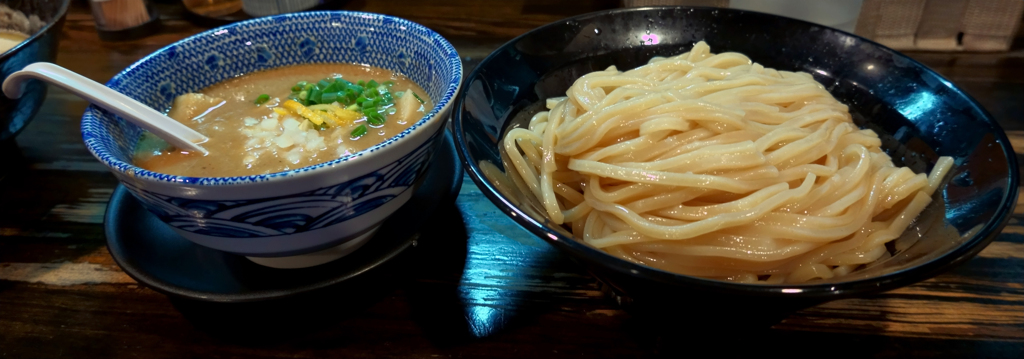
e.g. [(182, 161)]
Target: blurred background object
[(942, 25), (16, 27), (119, 20), (638, 3), (891, 23), (40, 44), (990, 25), (933, 25), (274, 7), (214, 13), (213, 8), (839, 14)]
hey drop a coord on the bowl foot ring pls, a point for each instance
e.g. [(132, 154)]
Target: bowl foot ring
[(318, 257)]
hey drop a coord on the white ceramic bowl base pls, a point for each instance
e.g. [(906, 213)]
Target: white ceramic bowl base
[(317, 258), (375, 217), (338, 232)]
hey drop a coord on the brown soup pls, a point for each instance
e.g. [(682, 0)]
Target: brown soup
[(266, 122)]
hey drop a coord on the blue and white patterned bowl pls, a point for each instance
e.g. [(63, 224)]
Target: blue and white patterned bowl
[(334, 204)]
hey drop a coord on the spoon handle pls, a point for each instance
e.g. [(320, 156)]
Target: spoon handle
[(168, 129)]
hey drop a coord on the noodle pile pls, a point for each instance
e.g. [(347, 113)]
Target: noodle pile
[(713, 166)]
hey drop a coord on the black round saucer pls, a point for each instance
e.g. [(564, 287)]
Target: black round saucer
[(153, 254)]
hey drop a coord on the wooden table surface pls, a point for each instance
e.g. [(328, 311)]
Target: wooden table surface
[(476, 286)]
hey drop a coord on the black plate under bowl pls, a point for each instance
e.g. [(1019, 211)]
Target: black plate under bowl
[(153, 254), (918, 114)]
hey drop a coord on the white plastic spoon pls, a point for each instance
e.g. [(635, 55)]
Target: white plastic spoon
[(168, 129)]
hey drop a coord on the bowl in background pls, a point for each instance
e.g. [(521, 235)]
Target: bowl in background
[(302, 217), (918, 114), (40, 46)]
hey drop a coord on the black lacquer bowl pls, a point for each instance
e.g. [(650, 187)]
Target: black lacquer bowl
[(919, 115), (41, 46)]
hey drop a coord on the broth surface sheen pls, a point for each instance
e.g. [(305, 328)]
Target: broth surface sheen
[(249, 139)]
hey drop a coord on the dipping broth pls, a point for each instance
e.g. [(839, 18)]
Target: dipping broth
[(287, 118)]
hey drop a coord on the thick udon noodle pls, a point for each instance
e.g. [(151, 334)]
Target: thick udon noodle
[(714, 166)]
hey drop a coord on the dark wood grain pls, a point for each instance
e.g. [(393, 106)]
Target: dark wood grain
[(476, 285)]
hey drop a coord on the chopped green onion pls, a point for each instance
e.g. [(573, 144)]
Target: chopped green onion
[(372, 99), (314, 95), (336, 86), (262, 99), (329, 97), (375, 120), (399, 94), (350, 96), (417, 97), (359, 131), (372, 116), (368, 110)]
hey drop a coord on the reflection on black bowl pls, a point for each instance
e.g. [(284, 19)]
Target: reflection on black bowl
[(919, 115), (41, 46)]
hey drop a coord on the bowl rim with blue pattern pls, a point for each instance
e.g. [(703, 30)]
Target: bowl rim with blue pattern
[(94, 139)]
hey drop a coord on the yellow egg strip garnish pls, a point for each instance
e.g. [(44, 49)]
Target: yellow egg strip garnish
[(341, 115), (303, 111)]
